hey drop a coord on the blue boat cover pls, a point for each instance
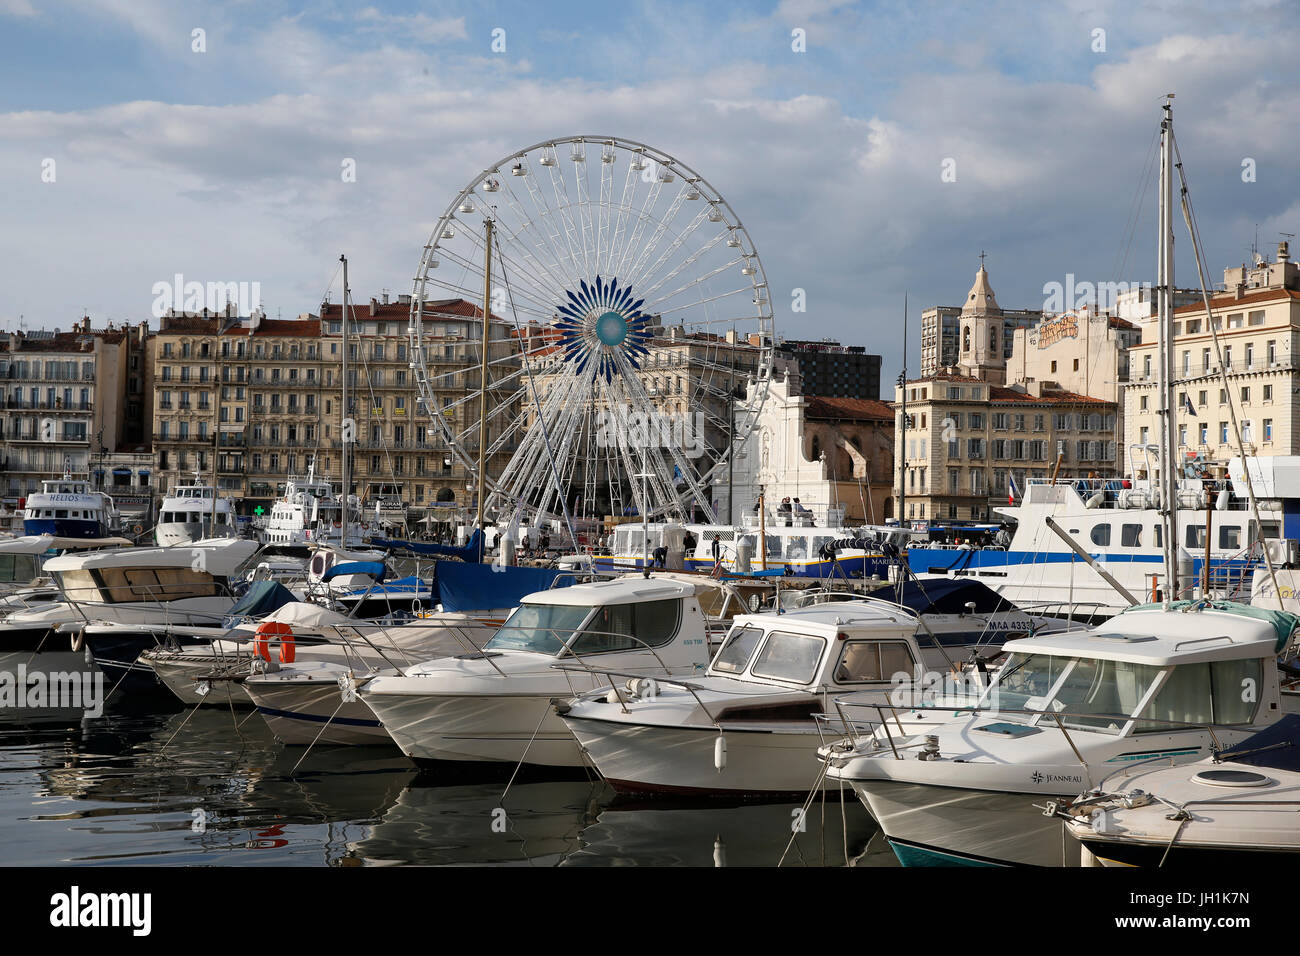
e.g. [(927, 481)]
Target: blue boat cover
[(261, 599), (945, 596), (1277, 747), (375, 569), (471, 551), (481, 587)]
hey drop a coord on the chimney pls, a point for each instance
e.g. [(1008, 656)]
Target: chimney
[(1283, 251), (374, 305), (385, 298), (1240, 290)]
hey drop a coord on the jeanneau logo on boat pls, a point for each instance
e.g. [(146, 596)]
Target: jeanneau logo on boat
[(77, 909), (47, 690), (1039, 777)]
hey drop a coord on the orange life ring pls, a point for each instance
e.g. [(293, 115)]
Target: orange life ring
[(283, 634)]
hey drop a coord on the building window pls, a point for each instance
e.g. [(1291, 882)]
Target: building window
[(1268, 393), (1268, 429)]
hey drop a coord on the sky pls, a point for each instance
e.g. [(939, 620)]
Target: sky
[(879, 160)]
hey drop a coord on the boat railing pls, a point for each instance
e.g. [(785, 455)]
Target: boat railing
[(887, 714)]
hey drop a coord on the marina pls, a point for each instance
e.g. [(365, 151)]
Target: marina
[(651, 438)]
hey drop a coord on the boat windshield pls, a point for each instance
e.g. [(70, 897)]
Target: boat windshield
[(1075, 687), (738, 648), (542, 628)]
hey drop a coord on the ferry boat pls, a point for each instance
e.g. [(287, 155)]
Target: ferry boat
[(68, 507), (803, 551), (1118, 523), (193, 512)]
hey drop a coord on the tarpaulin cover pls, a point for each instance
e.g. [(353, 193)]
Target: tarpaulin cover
[(468, 553), (481, 587), (945, 596), (1276, 747), (262, 598), (375, 569)]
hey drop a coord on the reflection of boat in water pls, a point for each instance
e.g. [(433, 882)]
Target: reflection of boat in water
[(661, 833), (537, 824), (190, 791)]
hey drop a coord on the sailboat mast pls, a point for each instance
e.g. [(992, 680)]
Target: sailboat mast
[(483, 372), (902, 427), (346, 467), (1165, 315)]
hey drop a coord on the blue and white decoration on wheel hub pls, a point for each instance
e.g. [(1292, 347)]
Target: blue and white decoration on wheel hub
[(622, 287), (598, 321)]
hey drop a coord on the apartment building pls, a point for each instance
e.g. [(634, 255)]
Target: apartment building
[(1257, 324), (67, 398), (398, 452), (964, 439), (832, 370)]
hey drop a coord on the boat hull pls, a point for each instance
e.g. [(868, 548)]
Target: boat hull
[(947, 826), (301, 713), (640, 758), (493, 728)]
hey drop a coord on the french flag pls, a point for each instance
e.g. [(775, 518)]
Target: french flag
[(1012, 490)]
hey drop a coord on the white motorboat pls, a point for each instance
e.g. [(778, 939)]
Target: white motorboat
[(1238, 808), (496, 705), (750, 725), (1171, 684), (113, 599), (194, 512)]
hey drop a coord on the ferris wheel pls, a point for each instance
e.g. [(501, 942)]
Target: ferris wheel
[(630, 318)]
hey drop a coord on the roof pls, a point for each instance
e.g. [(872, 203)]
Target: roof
[(220, 556), (61, 342), (852, 409), (839, 616), (305, 328), (1117, 323), (1152, 635), (618, 591), (999, 394), (980, 299), (1227, 300)]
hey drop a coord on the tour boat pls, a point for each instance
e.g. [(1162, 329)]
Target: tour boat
[(68, 507), (194, 512)]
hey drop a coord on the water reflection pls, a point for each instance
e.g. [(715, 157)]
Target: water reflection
[(213, 787)]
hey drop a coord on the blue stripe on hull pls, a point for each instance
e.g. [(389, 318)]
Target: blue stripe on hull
[(65, 527), (912, 854), (318, 718), (922, 560)]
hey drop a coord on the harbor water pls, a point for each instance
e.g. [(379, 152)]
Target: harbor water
[(213, 787)]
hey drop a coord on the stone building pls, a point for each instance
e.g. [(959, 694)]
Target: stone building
[(1257, 321), (65, 398)]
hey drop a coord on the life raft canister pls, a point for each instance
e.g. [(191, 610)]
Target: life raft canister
[(283, 634)]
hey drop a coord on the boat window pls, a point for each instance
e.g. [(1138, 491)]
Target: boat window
[(796, 547), (1100, 535), (864, 661), (1130, 536), (773, 544), (1110, 689), (790, 657), (543, 628), (820, 541), (1229, 537), (61, 513), (1025, 679), (737, 649), (131, 585), (1216, 692), (1159, 530), (629, 627), (79, 585), (1196, 536), (17, 568)]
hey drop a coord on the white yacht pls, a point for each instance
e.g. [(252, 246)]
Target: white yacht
[(495, 705), (750, 725), (1154, 683), (193, 512), (68, 507)]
